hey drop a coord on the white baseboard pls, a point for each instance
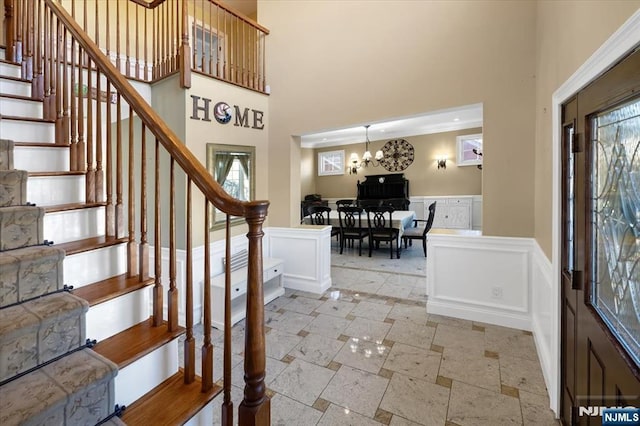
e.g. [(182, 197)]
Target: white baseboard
[(479, 314)]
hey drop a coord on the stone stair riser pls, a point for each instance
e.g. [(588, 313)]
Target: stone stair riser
[(30, 272), (109, 318), (95, 265), (13, 187), (71, 225), (39, 330), (20, 108), (55, 190), (28, 131), (12, 87), (41, 159), (20, 226)]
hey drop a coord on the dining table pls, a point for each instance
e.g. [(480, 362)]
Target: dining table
[(400, 219)]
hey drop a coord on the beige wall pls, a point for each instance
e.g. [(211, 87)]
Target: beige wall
[(308, 171), (199, 133), (424, 176), (335, 64), (568, 33)]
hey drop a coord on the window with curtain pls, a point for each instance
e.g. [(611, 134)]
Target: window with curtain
[(232, 166)]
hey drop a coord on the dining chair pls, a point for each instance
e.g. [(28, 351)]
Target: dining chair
[(351, 227), (420, 232), (319, 215), (346, 203), (369, 203), (381, 228)]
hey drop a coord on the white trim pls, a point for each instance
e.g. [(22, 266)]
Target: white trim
[(616, 47), (542, 319)]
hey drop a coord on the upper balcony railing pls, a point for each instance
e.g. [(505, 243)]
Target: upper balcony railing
[(149, 40)]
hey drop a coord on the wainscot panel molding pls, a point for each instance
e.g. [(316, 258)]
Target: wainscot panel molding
[(544, 319), (306, 251), (480, 278)]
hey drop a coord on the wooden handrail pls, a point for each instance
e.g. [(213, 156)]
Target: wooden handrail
[(187, 161), (155, 3)]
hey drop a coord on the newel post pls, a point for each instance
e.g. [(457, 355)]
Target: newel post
[(255, 408), (184, 55), (9, 26)]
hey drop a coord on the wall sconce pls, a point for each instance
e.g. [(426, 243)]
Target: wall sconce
[(355, 164), (442, 162)]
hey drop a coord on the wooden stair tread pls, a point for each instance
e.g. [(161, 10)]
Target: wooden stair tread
[(45, 174), (6, 61), (72, 206), (20, 79), (19, 97), (80, 246), (136, 342), (33, 120), (41, 144), (170, 403), (111, 288)]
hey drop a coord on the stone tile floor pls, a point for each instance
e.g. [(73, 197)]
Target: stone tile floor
[(366, 352)]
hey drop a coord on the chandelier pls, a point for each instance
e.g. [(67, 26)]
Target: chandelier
[(367, 158)]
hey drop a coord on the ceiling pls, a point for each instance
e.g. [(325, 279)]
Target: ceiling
[(459, 118)]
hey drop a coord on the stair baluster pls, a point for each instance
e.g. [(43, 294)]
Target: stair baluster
[(158, 292), (190, 341)]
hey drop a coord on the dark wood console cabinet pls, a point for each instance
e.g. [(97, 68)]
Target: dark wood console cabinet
[(387, 189)]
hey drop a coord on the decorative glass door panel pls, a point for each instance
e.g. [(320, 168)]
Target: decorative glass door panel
[(615, 222)]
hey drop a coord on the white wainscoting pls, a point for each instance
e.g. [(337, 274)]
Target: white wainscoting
[(306, 251), (545, 319), (498, 280), (480, 278)]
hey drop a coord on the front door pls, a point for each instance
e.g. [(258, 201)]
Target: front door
[(601, 246)]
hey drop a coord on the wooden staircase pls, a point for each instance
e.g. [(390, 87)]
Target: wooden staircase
[(88, 173)]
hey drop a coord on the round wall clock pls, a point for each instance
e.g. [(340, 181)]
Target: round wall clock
[(398, 155)]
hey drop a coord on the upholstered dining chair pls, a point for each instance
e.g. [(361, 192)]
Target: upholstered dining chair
[(319, 215), (351, 227), (381, 229), (420, 232)]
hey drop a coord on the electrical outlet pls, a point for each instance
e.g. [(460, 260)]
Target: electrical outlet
[(496, 292)]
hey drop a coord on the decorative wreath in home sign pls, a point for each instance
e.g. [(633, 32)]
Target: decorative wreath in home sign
[(398, 155)]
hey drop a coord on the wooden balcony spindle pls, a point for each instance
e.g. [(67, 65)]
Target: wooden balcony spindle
[(110, 208), (207, 347), (158, 296), (46, 90), (99, 173), (119, 177), (146, 47), (218, 44), (37, 89), (127, 63), (143, 270), (255, 408), (227, 403), (185, 57), (27, 71), (10, 29), (17, 57), (156, 50), (81, 145), (190, 341), (118, 64), (163, 39), (59, 66), (75, 94), (107, 33), (172, 299), (90, 176), (132, 246), (137, 42), (66, 91)]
